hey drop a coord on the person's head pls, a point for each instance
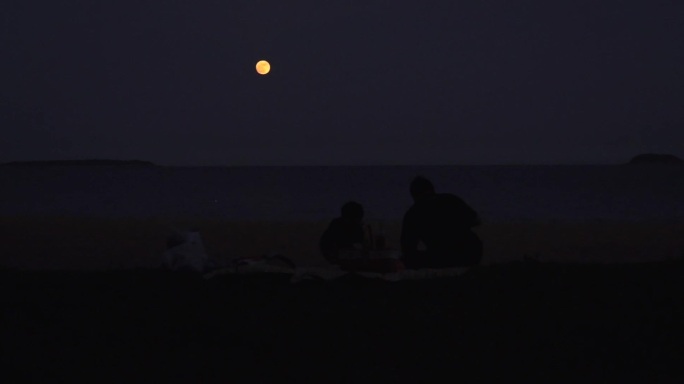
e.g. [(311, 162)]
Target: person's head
[(352, 211), (421, 188)]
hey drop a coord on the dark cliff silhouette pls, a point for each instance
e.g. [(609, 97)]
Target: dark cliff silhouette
[(88, 162), (653, 158)]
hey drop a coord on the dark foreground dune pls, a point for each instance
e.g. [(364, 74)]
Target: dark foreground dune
[(610, 323)]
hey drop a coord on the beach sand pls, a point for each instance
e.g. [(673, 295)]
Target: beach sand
[(96, 244), (503, 323), (80, 304)]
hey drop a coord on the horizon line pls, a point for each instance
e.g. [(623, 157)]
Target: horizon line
[(151, 163)]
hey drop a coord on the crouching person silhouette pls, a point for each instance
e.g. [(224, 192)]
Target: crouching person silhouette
[(344, 244), (442, 223), (344, 238)]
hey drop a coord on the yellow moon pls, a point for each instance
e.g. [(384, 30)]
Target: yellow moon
[(263, 67)]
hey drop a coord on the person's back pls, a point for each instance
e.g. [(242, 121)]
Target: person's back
[(442, 222), (341, 235)]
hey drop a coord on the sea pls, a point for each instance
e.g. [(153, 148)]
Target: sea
[(497, 193)]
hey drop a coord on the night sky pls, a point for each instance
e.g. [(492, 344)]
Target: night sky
[(352, 82)]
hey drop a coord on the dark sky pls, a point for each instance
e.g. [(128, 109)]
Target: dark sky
[(352, 82)]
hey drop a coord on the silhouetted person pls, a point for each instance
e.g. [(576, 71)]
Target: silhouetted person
[(344, 233), (442, 222)]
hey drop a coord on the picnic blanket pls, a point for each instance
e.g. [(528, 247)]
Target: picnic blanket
[(299, 274)]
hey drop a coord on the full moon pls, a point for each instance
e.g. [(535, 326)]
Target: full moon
[(263, 67)]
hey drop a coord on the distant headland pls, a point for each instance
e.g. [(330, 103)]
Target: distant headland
[(653, 158), (88, 162)]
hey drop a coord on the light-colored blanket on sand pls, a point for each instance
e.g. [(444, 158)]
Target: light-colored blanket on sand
[(331, 273)]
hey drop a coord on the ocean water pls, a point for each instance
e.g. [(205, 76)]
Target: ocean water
[(498, 193)]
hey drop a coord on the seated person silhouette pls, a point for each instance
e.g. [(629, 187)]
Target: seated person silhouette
[(344, 236), (344, 244), (442, 223)]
